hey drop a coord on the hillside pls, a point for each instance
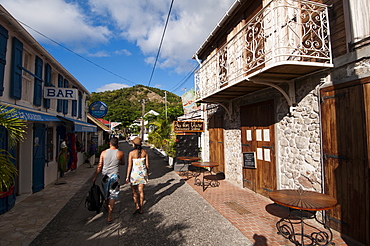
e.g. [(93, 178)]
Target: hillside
[(124, 106)]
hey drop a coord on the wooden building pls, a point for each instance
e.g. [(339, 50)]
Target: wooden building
[(288, 80)]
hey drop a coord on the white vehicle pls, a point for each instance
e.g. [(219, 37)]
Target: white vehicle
[(133, 136)]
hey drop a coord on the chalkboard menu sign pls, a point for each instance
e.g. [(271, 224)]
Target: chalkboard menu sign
[(249, 160)]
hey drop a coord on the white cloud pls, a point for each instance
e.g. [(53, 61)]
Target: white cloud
[(85, 24), (142, 22), (63, 22), (123, 52), (111, 87)]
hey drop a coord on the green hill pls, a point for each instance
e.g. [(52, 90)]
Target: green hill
[(124, 106)]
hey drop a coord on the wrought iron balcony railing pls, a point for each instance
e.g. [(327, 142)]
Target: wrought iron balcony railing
[(283, 32)]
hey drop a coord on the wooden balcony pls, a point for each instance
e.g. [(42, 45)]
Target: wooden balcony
[(286, 40)]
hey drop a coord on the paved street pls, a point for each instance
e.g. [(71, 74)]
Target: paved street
[(175, 214)]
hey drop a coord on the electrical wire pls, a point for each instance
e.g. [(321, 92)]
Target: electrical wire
[(66, 48), (160, 45), (185, 79)]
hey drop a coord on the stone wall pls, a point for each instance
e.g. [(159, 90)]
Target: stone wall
[(298, 141)]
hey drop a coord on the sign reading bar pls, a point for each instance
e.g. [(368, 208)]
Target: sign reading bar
[(188, 126), (249, 160), (60, 93)]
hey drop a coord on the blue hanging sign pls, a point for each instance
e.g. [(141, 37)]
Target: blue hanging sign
[(98, 109)]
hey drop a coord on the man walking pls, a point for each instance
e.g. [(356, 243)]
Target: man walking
[(109, 162)]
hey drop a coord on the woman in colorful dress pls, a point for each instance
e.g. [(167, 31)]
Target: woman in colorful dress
[(137, 173)]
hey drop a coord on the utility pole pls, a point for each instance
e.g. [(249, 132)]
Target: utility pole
[(142, 101), (165, 103)]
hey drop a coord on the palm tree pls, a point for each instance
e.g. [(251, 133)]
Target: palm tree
[(16, 129)]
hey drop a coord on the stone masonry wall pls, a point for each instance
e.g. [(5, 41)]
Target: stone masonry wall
[(298, 141)]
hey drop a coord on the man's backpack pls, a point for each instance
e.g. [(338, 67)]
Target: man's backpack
[(94, 199)]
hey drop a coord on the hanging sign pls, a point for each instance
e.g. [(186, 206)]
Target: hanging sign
[(188, 126), (98, 109), (60, 93)]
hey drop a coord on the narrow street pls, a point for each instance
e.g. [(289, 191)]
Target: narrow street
[(174, 214)]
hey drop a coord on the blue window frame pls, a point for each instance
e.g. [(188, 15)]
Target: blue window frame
[(16, 70), (37, 89), (79, 105), (74, 105), (60, 85), (47, 79), (65, 102), (3, 44)]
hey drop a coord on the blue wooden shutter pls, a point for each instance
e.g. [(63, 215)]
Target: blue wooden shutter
[(74, 105), (79, 105), (3, 43), (60, 85), (47, 83), (16, 74), (37, 87), (65, 102)]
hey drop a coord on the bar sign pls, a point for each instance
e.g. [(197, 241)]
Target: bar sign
[(60, 93)]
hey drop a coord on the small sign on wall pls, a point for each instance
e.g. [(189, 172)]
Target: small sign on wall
[(249, 160), (60, 93)]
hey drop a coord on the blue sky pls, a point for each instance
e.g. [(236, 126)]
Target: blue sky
[(118, 40)]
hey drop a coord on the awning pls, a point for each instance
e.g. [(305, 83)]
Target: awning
[(30, 114), (78, 125)]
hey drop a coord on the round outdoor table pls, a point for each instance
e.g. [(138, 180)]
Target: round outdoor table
[(212, 179), (187, 160), (303, 205)]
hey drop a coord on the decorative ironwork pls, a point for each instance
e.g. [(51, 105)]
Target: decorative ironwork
[(284, 30), (295, 229)]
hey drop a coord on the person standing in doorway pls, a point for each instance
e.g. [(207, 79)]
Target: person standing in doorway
[(137, 173), (109, 162)]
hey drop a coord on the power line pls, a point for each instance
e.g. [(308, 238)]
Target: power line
[(160, 45), (64, 47), (185, 79)]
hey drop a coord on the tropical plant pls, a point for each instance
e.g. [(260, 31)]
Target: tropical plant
[(162, 136), (16, 130)]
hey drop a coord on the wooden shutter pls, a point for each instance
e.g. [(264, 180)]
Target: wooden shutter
[(65, 102), (37, 89), (80, 104), (74, 105), (60, 101), (3, 43), (16, 74), (47, 83)]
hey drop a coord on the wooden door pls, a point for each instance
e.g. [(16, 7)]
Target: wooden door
[(216, 142), (38, 157), (345, 136), (257, 133)]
